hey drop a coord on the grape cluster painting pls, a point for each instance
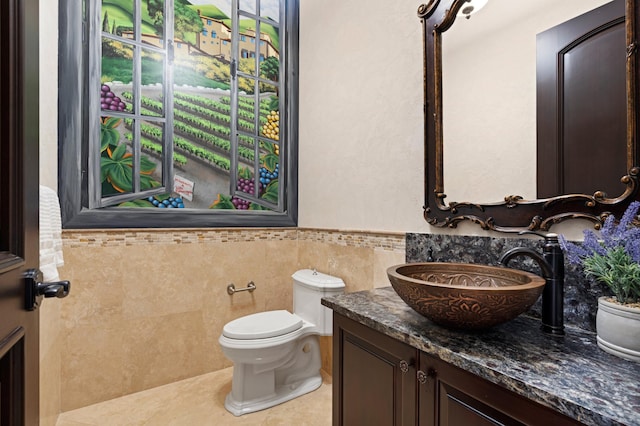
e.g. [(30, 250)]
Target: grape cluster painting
[(109, 101)]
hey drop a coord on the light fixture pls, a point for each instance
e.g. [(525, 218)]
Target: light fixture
[(471, 7)]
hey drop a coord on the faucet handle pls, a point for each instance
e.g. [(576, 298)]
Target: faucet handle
[(548, 237)]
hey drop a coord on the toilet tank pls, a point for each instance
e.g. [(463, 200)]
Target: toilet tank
[(309, 287)]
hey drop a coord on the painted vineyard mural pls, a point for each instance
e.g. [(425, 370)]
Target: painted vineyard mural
[(200, 64)]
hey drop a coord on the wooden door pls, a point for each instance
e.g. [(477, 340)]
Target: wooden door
[(581, 104), (18, 210)]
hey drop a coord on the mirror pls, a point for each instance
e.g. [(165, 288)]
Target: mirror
[(498, 43), (516, 208)]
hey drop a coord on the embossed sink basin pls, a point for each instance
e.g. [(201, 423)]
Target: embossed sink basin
[(464, 295)]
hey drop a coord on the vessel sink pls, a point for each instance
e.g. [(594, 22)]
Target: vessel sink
[(463, 295)]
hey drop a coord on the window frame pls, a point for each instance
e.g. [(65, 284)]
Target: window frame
[(73, 129)]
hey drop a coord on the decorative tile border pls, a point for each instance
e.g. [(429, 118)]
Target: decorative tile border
[(130, 237), (386, 241)]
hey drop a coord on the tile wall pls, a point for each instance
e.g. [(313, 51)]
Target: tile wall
[(147, 306)]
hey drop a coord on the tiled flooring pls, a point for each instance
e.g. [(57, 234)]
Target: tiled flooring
[(199, 401)]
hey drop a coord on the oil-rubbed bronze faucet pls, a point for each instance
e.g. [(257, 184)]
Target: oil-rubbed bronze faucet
[(551, 263)]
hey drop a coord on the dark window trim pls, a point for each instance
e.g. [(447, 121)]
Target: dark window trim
[(72, 159)]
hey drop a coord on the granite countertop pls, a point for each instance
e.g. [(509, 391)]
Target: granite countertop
[(570, 374)]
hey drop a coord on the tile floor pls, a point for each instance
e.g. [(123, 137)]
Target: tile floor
[(199, 401)]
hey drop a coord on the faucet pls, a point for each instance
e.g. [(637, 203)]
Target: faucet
[(551, 263)]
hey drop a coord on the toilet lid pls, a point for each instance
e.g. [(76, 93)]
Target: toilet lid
[(262, 325)]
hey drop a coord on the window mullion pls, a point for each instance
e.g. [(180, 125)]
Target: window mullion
[(167, 145), (256, 103), (135, 82), (94, 42), (233, 169), (284, 103)]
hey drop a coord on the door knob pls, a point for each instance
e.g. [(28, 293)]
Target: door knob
[(35, 289)]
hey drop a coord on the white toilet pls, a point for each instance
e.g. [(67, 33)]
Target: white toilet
[(276, 354)]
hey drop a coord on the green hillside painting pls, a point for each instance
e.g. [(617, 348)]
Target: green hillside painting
[(120, 13), (210, 11)]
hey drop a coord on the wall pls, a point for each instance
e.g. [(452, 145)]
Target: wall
[(147, 307), (361, 141), (361, 120)]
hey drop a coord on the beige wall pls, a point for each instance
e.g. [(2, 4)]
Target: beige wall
[(361, 141), (147, 307), (361, 122)]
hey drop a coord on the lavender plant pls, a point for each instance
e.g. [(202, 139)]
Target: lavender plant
[(614, 259)]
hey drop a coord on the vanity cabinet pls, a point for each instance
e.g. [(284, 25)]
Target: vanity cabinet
[(378, 380), (374, 377)]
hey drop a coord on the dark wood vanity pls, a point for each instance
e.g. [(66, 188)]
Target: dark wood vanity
[(391, 366), (400, 385)]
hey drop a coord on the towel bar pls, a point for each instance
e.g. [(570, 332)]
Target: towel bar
[(232, 288)]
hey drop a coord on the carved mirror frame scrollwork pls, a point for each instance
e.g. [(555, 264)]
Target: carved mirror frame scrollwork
[(515, 214)]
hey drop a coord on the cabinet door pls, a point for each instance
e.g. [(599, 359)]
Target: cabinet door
[(462, 398), (373, 377)]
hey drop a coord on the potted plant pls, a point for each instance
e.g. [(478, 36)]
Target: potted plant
[(614, 259)]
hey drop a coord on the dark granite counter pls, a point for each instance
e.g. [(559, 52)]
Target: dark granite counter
[(569, 374)]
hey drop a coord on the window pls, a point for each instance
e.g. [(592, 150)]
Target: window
[(213, 34), (157, 134), (204, 32)]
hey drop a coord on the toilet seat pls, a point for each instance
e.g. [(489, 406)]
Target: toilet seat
[(262, 325)]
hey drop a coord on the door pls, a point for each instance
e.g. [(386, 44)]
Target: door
[(373, 377), (462, 398), (18, 210), (582, 104)]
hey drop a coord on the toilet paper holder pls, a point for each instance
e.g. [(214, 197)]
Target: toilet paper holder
[(231, 288)]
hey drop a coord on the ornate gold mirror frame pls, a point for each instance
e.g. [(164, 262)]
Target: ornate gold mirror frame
[(515, 214)]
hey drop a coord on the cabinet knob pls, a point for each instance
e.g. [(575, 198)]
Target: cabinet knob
[(423, 377), (404, 366)]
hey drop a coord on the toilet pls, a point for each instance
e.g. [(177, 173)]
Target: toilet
[(276, 354)]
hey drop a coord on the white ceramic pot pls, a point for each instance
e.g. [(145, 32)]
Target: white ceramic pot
[(618, 329)]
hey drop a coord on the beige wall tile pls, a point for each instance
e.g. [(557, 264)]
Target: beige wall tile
[(147, 308), (97, 279), (383, 259), (126, 356), (50, 400)]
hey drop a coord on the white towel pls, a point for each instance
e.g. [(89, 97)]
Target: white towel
[(50, 234)]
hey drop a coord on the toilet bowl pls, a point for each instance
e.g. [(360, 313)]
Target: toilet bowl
[(276, 354)]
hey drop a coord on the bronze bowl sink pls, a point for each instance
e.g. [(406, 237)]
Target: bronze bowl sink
[(464, 295)]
